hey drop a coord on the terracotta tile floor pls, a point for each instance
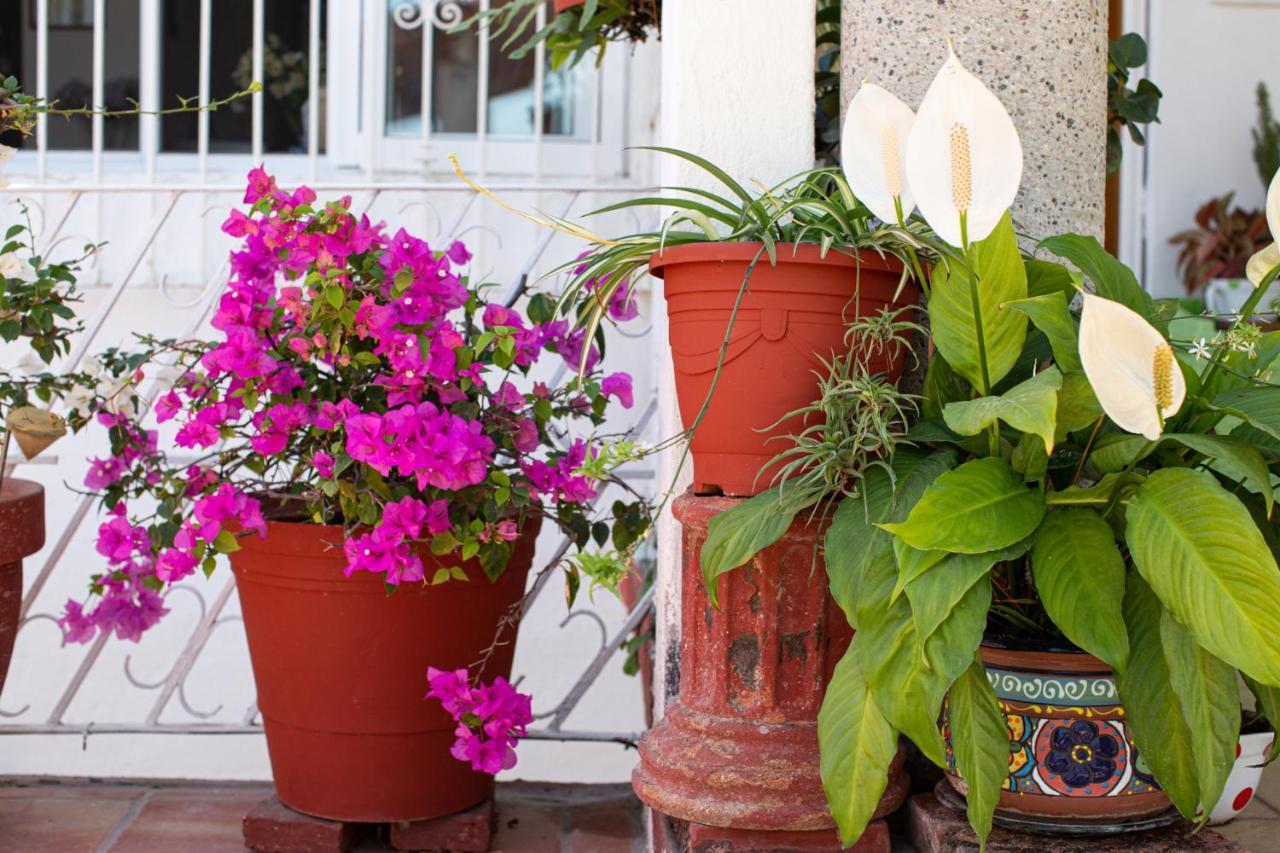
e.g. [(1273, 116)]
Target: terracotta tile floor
[(86, 817)]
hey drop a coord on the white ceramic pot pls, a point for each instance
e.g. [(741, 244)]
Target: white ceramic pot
[(1242, 784)]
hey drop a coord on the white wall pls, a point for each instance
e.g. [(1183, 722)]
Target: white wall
[(1207, 56)]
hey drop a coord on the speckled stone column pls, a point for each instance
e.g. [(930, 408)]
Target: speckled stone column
[(1045, 59)]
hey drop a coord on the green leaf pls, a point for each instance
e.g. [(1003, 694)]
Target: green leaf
[(1110, 278), (852, 538), (740, 532), (980, 741), (1050, 315), (1152, 710), (1257, 406), (1079, 576), (980, 506), (1235, 458), (1198, 548), (1029, 406), (225, 542), (942, 385), (334, 295), (950, 649), (856, 745), (936, 593), (1046, 277), (912, 563), (1001, 278), (1114, 453), (1267, 701), (1077, 405), (1209, 696)]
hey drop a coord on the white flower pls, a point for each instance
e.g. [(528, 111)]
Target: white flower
[(1130, 366), (873, 152), (1200, 348), (11, 266), (963, 158), (1268, 258)]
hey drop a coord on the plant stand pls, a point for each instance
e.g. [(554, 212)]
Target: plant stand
[(272, 827), (735, 760), (21, 535), (936, 827)]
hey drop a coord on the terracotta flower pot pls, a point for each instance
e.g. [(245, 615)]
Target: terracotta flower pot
[(21, 535), (340, 668), (561, 5), (792, 316), (1242, 784), (1071, 760)]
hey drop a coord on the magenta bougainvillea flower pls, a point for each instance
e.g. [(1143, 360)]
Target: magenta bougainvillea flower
[(490, 717)]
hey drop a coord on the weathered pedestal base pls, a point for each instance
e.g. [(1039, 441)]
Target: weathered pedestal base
[(937, 828), (272, 827), (734, 764), (675, 836)]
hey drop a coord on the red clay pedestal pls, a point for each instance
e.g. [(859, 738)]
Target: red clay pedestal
[(272, 827), (21, 535), (738, 749)]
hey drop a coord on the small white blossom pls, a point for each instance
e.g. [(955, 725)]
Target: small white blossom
[(1200, 348)]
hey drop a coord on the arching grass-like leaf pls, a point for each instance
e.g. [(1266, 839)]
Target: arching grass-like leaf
[(856, 744), (1079, 576), (1199, 549)]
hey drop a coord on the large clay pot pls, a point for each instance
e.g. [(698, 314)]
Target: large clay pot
[(793, 315), (21, 535), (1071, 760), (340, 668)]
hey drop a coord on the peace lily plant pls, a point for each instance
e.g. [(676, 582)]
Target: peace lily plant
[(1074, 478)]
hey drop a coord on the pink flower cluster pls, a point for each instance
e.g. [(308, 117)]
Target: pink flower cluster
[(436, 448), (127, 606), (389, 548), (491, 718)]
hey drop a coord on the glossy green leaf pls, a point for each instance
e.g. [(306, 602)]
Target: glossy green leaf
[(740, 532), (1099, 494), (1236, 459), (1267, 701), (1113, 453), (1045, 277), (912, 563), (1152, 710), (1029, 406), (1110, 278), (953, 323), (852, 539), (1257, 406), (856, 745), (950, 649), (980, 741), (1198, 548), (942, 385), (980, 506), (1079, 576), (1077, 405), (1048, 312), (937, 592), (1209, 696)]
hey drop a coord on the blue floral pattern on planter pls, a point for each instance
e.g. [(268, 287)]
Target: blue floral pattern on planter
[(1082, 755)]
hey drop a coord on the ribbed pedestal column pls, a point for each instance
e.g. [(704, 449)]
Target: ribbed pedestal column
[(21, 535)]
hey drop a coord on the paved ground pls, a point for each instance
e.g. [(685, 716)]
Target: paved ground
[(87, 817), (84, 817)]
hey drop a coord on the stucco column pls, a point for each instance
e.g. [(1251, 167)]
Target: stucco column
[(1045, 59), (737, 88)]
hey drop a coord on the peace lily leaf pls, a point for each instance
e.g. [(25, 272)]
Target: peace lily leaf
[(856, 745), (1209, 696), (1048, 312), (980, 740), (912, 563), (873, 152), (1001, 278), (964, 158), (1097, 495), (942, 385), (950, 649), (1268, 704), (740, 532), (914, 480), (1131, 367), (1046, 277), (1079, 576), (1110, 278), (1113, 453), (1257, 406), (1029, 406), (1077, 406), (980, 506), (1029, 458), (1235, 458), (852, 538), (1198, 548), (936, 593), (1152, 709)]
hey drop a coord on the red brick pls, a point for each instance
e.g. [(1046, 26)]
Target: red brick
[(467, 832), (716, 839), (48, 822), (936, 828), (271, 827), (194, 821), (526, 827)]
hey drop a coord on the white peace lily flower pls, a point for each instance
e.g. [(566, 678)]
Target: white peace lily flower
[(1268, 258), (963, 157), (873, 152), (1130, 366)]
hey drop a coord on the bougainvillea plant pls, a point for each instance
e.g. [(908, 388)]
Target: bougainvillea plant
[(360, 379)]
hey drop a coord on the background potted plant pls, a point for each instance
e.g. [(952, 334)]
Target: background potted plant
[(577, 27), (1213, 255), (366, 412), (1067, 564)]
